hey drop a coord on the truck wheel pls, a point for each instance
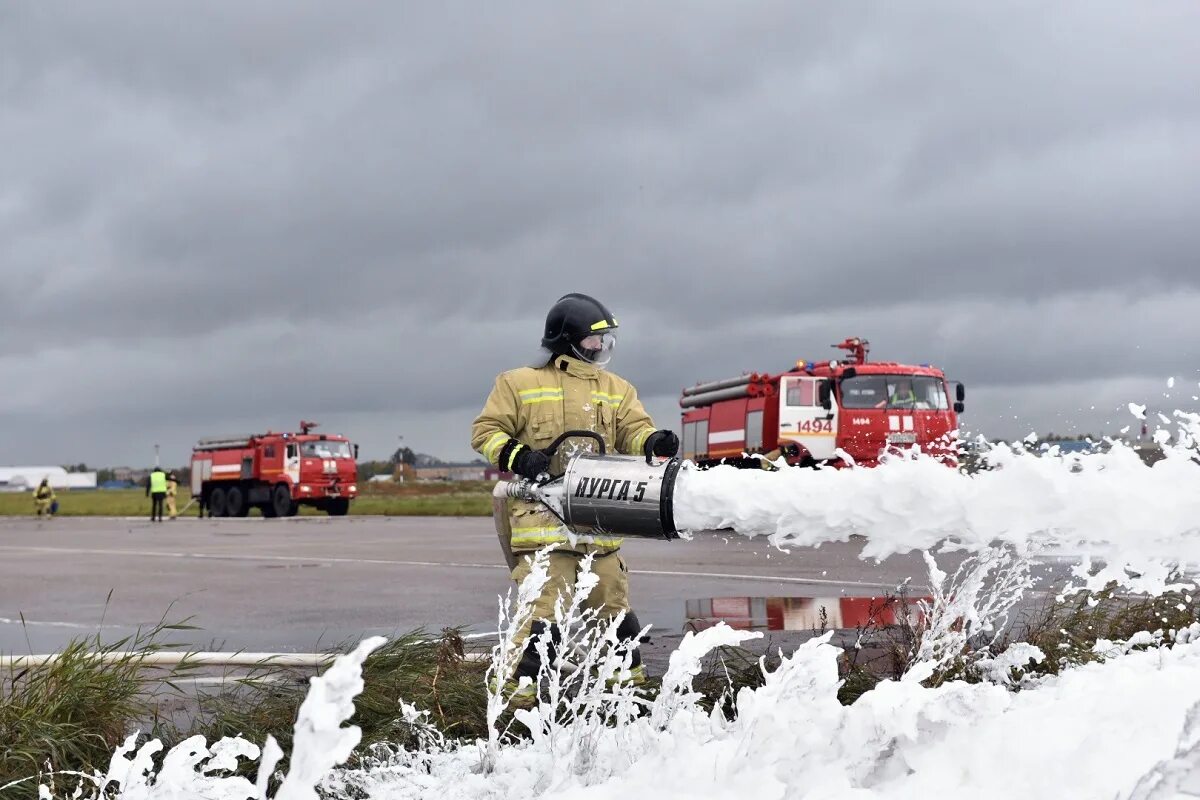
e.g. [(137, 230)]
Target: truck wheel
[(338, 507), (235, 502), (216, 503), (281, 504)]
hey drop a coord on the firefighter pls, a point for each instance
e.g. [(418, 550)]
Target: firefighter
[(172, 490), (43, 498), (527, 409), (156, 490), (788, 450)]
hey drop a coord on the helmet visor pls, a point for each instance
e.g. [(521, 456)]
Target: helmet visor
[(595, 349)]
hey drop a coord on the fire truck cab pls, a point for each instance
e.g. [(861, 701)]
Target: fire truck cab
[(832, 412), (275, 472)]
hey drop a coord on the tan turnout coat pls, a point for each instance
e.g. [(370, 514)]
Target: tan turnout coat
[(536, 404)]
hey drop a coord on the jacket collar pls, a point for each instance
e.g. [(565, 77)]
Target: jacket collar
[(574, 367)]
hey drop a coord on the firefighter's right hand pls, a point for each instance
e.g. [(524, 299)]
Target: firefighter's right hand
[(661, 443), (530, 463)]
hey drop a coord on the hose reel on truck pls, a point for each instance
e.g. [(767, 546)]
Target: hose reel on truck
[(597, 493)]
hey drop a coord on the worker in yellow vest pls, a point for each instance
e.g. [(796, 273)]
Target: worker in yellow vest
[(43, 499), (172, 490), (527, 409), (156, 490)]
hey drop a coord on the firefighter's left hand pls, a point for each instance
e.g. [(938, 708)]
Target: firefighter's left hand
[(661, 443)]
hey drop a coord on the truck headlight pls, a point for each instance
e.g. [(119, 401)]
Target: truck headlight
[(353, 488), (306, 488)]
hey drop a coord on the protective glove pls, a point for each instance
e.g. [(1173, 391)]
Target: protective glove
[(661, 443), (530, 463)]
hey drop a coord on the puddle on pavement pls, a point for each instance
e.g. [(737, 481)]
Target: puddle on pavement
[(800, 613)]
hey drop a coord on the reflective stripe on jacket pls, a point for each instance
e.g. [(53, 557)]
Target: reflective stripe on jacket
[(534, 405)]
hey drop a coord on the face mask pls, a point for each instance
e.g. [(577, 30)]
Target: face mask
[(595, 349)]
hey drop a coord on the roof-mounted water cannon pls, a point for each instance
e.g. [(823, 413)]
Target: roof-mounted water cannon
[(306, 426), (858, 348)]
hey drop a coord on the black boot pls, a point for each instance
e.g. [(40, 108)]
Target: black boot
[(530, 663), (627, 642)]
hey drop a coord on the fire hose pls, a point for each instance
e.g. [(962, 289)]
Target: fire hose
[(597, 493)]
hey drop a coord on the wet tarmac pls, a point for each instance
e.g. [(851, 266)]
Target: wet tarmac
[(307, 584)]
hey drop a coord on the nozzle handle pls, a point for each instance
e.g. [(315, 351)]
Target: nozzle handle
[(553, 446)]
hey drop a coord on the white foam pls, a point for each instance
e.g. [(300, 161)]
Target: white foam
[(1126, 726)]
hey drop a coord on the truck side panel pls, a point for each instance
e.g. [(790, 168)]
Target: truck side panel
[(201, 472), (727, 428), (755, 425), (227, 464), (270, 461), (770, 422), (695, 432)]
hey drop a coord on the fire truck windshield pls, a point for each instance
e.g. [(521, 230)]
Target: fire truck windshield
[(325, 449), (919, 392)]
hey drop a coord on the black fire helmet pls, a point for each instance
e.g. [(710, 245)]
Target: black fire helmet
[(572, 319)]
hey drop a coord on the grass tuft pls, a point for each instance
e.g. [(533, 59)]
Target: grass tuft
[(70, 714), (434, 674), (1066, 629)]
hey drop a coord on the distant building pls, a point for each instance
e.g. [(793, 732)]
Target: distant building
[(129, 474), (26, 479), (453, 472)]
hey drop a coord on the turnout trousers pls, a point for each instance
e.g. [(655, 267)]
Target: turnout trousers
[(608, 598)]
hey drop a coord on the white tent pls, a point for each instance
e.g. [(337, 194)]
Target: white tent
[(26, 479)]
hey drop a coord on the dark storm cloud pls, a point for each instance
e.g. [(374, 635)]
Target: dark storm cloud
[(364, 214)]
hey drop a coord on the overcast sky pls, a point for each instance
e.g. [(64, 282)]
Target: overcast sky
[(224, 217)]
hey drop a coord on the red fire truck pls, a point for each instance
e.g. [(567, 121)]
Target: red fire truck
[(829, 412), (275, 472)]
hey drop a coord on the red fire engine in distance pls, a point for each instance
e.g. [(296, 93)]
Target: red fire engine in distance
[(819, 411), (275, 472)]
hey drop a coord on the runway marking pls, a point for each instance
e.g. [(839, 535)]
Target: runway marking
[(483, 635), (244, 557), (54, 624), (446, 564)]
